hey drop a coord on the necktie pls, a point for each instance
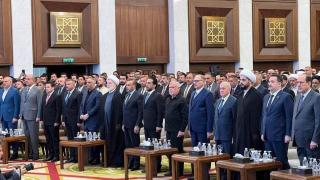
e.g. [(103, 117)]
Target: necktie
[(270, 101), (48, 97), (186, 91), (300, 101), (67, 97), (147, 97), (143, 91), (209, 88), (163, 90), (27, 92), (127, 98), (220, 105), (195, 95)]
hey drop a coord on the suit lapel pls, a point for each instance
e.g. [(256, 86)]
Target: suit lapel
[(274, 101), (150, 97), (196, 99), (305, 101), (69, 99)]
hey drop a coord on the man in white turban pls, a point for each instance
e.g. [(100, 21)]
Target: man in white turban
[(249, 108)]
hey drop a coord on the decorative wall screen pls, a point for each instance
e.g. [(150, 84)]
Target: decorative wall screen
[(66, 29), (213, 31), (275, 32)]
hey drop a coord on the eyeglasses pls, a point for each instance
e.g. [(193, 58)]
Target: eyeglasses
[(195, 81)]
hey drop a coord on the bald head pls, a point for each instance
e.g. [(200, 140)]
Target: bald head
[(225, 89)]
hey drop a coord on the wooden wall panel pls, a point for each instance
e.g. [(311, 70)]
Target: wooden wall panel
[(142, 31), (4, 70), (5, 33), (205, 67), (88, 53), (271, 9), (315, 30), (219, 8), (281, 66), (124, 69)]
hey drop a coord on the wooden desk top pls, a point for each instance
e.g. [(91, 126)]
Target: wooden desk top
[(13, 138), (230, 164), (185, 157), (287, 174), (142, 152), (72, 143)]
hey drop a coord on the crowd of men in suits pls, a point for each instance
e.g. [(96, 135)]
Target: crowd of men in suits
[(245, 109)]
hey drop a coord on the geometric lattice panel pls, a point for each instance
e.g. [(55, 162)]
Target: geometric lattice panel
[(213, 31), (66, 29), (275, 32)]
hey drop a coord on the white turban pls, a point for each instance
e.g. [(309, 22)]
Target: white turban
[(114, 79), (293, 76), (248, 74)]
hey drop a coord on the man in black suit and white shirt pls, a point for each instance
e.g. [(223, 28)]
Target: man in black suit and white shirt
[(187, 88)]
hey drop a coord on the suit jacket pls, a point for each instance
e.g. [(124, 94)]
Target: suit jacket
[(289, 91), (51, 111), (10, 107), (191, 89), (212, 88), (306, 120), (277, 117), (90, 105), (70, 110), (224, 119), (237, 92), (124, 92), (132, 110), (262, 90), (153, 111), (201, 112), (31, 103), (140, 90), (166, 92)]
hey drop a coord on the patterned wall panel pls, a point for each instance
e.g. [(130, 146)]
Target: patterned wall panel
[(5, 33)]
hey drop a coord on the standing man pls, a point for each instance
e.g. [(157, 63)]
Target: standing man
[(249, 108), (153, 113), (122, 85), (201, 112), (188, 88), (9, 110), (225, 118), (306, 119), (163, 89), (89, 114), (61, 89), (210, 84), (31, 98), (81, 84), (51, 117), (176, 118), (132, 115), (102, 85), (111, 106), (71, 101), (143, 81), (277, 120)]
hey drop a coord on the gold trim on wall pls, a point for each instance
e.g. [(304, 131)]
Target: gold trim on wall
[(66, 29), (214, 31), (275, 32)]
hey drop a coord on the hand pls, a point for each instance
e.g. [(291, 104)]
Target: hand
[(313, 145), (136, 130), (85, 117), (158, 129), (287, 139), (180, 134), (56, 124), (213, 140), (63, 124), (209, 135), (122, 128), (262, 137), (37, 119), (14, 120), (81, 116), (79, 124)]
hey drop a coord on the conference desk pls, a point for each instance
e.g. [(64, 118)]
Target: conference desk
[(288, 175), (5, 146)]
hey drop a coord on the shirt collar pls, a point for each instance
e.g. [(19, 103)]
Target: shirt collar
[(306, 94), (275, 93), (226, 98), (199, 90)]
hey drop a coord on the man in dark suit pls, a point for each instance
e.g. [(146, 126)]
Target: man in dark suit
[(187, 88), (143, 81), (153, 109), (164, 88), (259, 87), (89, 114), (286, 86), (306, 119), (71, 101), (81, 84), (176, 120), (132, 115), (277, 120), (31, 98), (51, 117), (122, 85), (201, 112), (210, 84), (9, 109), (224, 118), (236, 89), (61, 88)]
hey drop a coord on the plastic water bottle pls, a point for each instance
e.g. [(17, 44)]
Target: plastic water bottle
[(86, 135), (203, 147), (78, 134), (199, 146), (209, 149), (94, 136), (310, 162), (6, 131), (90, 136), (11, 132), (265, 155), (169, 144), (246, 153), (305, 162), (314, 163)]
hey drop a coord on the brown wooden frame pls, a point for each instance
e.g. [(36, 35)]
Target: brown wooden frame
[(223, 8), (281, 9), (315, 30), (5, 33), (88, 53)]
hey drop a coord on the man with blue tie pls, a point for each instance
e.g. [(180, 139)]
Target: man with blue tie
[(201, 112), (9, 109), (277, 120), (224, 117), (306, 119)]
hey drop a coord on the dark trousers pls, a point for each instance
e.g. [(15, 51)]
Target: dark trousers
[(52, 137), (197, 137), (279, 149), (72, 130), (226, 146), (94, 152), (151, 133), (9, 125), (308, 153), (176, 142), (131, 140)]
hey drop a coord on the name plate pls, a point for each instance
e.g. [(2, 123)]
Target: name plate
[(302, 171), (196, 153)]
